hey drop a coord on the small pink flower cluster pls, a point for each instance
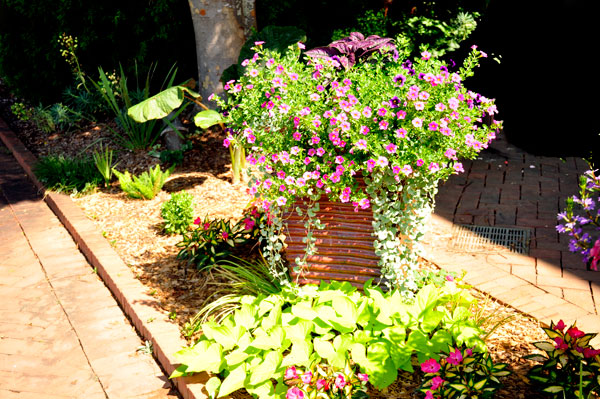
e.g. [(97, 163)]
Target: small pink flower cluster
[(304, 384), (569, 341), (432, 367)]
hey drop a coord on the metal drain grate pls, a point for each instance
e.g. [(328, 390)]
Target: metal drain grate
[(487, 238)]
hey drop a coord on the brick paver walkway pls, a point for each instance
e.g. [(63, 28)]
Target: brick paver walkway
[(62, 334), (507, 187)]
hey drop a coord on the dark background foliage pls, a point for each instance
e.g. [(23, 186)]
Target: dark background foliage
[(545, 86), (109, 32)]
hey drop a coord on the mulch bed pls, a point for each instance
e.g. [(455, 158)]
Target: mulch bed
[(133, 228)]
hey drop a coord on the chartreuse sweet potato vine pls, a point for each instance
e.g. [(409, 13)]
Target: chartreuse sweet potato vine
[(333, 326)]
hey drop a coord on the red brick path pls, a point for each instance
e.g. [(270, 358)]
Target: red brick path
[(508, 187), (62, 334)]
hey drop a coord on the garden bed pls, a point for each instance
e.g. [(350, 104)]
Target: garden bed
[(133, 228)]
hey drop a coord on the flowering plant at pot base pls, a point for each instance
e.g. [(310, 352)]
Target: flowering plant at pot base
[(314, 125), (583, 224), (323, 381), (462, 373), (570, 366), (213, 240)]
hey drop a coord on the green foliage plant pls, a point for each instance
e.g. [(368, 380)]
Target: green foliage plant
[(314, 123), (462, 373), (119, 98), (328, 326), (161, 105), (103, 159), (570, 367), (178, 213), (66, 174), (210, 241), (144, 186)]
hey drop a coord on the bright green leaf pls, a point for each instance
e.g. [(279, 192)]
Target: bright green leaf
[(234, 381)]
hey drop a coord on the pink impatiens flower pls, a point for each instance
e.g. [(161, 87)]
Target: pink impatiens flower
[(363, 377), (322, 384), (340, 381), (455, 357), (294, 393), (436, 382), (291, 373), (430, 366), (574, 332), (306, 377)]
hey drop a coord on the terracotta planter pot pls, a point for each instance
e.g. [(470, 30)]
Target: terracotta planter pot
[(344, 247)]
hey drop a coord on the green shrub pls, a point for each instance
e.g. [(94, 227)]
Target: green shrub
[(71, 175), (178, 213), (144, 186)]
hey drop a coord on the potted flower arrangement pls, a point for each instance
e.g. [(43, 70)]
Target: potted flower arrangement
[(316, 123)]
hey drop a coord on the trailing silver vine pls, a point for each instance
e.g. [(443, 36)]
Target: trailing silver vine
[(272, 240), (312, 222), (400, 212)]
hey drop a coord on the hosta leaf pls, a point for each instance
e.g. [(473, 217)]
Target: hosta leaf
[(265, 370), (324, 348), (345, 308), (246, 316), (380, 368), (212, 386), (263, 391), (299, 355), (234, 381)]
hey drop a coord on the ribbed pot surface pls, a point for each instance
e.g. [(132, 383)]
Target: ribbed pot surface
[(344, 247)]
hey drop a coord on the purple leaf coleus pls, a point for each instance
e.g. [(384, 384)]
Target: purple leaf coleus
[(349, 50)]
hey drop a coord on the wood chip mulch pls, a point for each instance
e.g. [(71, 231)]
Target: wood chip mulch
[(133, 228)]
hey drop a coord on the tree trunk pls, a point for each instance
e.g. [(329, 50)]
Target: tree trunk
[(221, 28)]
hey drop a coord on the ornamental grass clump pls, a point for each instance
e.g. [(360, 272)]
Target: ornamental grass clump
[(314, 123)]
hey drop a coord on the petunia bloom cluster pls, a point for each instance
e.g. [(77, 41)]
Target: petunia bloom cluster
[(314, 127), (581, 220)]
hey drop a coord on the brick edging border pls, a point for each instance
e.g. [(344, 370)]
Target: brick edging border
[(141, 308)]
